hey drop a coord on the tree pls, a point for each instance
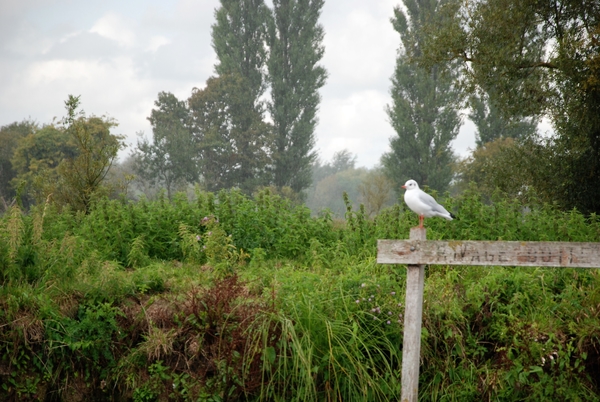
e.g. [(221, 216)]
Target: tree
[(35, 162), (81, 176), (232, 140), (170, 159), (518, 168), (497, 165), (10, 136), (239, 39), (343, 160), (329, 192), (295, 40), (67, 163), (123, 181), (534, 58), (424, 110), (331, 180), (492, 124)]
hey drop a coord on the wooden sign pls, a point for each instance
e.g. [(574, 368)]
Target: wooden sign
[(417, 252), (512, 253)]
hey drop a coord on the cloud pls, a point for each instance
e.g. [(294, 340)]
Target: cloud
[(360, 53), (82, 45), (117, 64), (173, 61), (116, 27), (353, 60), (155, 42)]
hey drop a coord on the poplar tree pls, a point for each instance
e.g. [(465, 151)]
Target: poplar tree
[(295, 40), (424, 109), (239, 40), (243, 147)]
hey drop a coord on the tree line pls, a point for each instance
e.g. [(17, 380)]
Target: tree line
[(504, 64), (510, 63), (231, 133)]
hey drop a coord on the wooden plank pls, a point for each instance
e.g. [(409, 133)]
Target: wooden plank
[(511, 253), (413, 316)]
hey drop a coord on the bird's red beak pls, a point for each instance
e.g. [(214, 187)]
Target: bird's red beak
[(403, 186)]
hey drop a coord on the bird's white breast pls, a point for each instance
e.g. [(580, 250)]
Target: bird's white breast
[(415, 203)]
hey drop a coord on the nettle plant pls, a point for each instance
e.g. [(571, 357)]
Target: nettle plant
[(218, 247)]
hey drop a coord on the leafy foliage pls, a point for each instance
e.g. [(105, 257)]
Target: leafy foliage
[(10, 136), (239, 40), (332, 179), (326, 194), (504, 165), (68, 163), (491, 124), (342, 160), (376, 192), (81, 178), (36, 159)]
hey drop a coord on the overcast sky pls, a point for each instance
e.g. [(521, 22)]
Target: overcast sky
[(118, 55)]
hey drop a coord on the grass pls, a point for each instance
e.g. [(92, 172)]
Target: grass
[(232, 298)]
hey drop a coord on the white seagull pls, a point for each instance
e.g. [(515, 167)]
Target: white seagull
[(422, 203)]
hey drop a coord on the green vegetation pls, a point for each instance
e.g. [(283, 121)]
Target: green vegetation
[(170, 159), (232, 141), (369, 187), (227, 297), (10, 135)]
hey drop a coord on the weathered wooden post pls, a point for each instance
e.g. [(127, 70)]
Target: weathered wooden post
[(413, 315)]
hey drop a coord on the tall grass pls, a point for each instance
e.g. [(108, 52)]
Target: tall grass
[(234, 298), (339, 341)]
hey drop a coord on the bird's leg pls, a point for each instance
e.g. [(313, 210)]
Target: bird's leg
[(421, 217)]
